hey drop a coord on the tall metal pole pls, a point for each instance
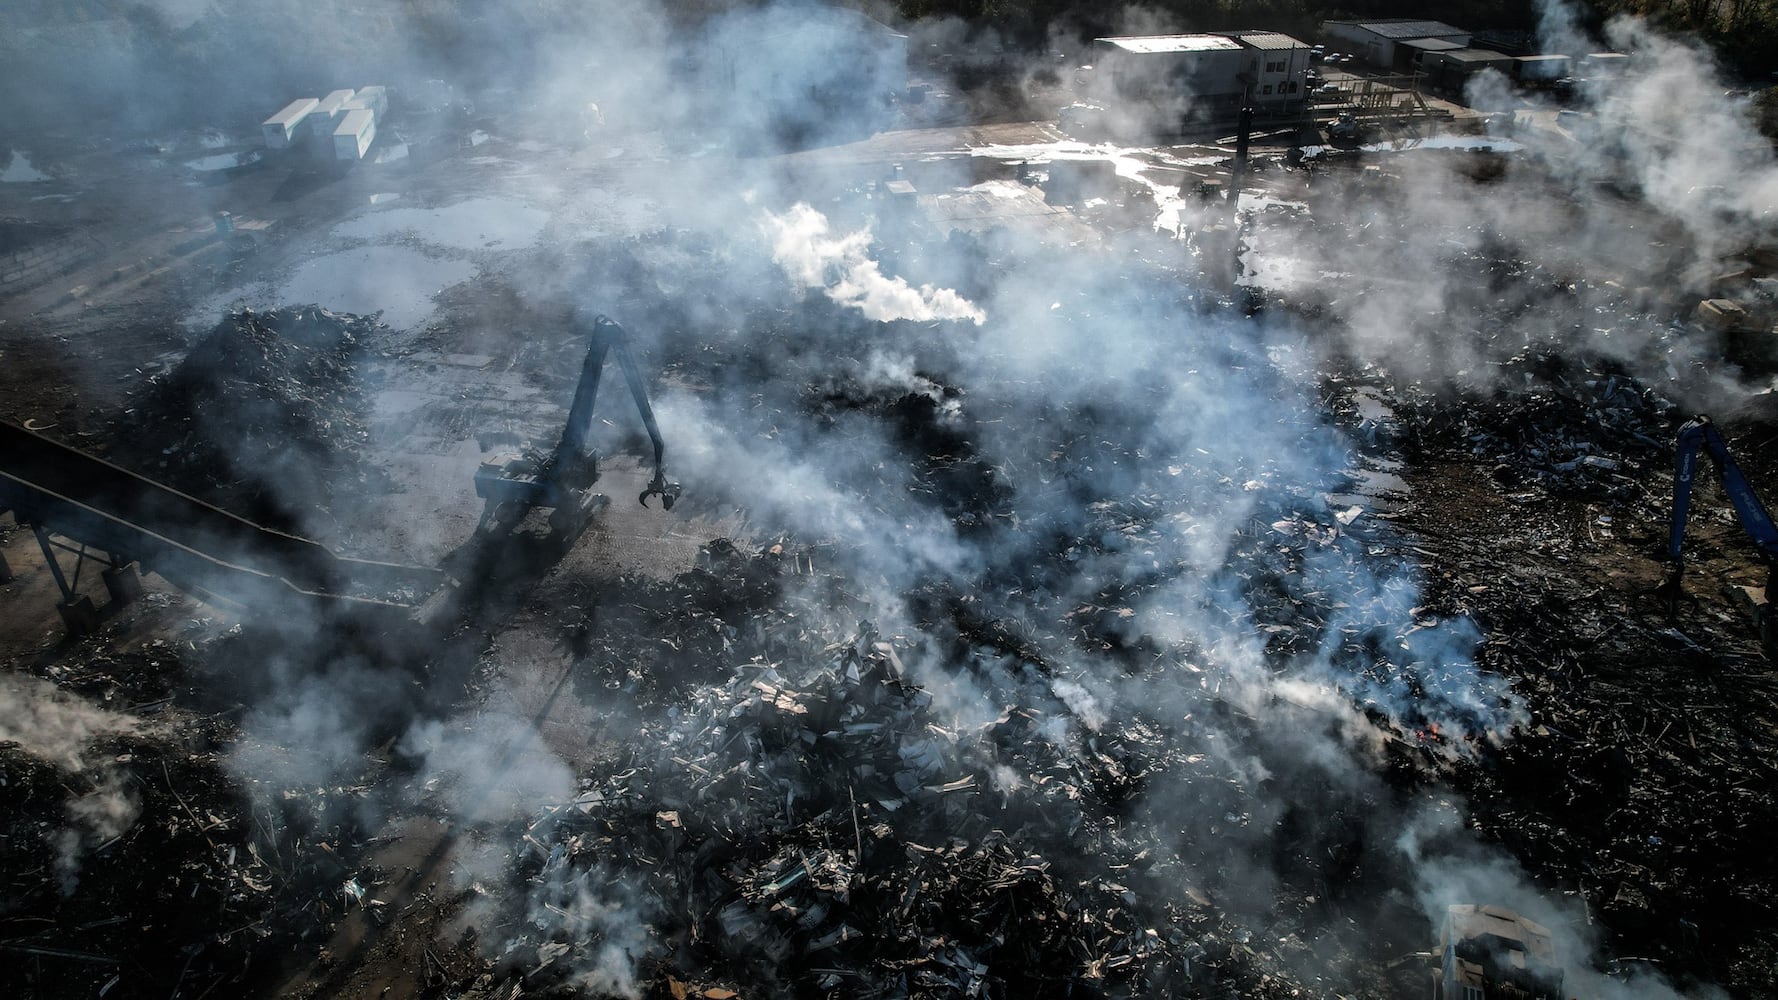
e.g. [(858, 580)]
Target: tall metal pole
[(1243, 139)]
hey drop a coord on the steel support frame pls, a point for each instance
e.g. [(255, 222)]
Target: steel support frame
[(69, 588), (77, 610)]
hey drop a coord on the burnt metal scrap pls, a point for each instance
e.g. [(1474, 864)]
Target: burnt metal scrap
[(1641, 780), (142, 867), (1555, 424), (805, 819), (266, 416), (1098, 759), (808, 825)]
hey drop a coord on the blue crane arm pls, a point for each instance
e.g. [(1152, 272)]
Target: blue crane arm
[(1700, 433), (608, 338)]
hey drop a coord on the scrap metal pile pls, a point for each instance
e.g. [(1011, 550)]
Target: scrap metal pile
[(266, 416), (1035, 785), (1644, 780), (138, 863), (966, 802), (1543, 500), (801, 819), (1063, 677)]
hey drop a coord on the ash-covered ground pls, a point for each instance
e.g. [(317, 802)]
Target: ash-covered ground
[(1106, 594)]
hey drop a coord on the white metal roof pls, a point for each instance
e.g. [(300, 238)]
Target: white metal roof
[(294, 111), (355, 121), (1477, 56), (1150, 44), (1399, 28), (1431, 44), (1267, 40)]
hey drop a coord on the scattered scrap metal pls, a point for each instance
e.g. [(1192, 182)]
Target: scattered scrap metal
[(265, 416)]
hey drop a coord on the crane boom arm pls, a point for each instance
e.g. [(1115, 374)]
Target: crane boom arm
[(1697, 434), (608, 339)]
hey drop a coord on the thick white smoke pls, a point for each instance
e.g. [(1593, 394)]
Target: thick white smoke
[(841, 265), (61, 729)]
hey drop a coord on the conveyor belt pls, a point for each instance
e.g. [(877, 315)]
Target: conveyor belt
[(196, 546)]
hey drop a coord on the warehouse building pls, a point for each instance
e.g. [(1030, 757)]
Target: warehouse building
[(1541, 69), (1205, 68), (1214, 73), (1410, 56), (1278, 66), (1452, 71), (1381, 43)]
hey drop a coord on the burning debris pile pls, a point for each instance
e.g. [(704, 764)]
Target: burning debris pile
[(130, 855), (1106, 668), (815, 812), (1559, 423), (265, 416), (137, 863), (1634, 784), (809, 823)]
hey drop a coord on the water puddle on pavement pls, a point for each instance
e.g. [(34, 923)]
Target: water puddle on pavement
[(397, 280), (477, 224)]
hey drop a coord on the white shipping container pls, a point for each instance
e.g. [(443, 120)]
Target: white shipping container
[(356, 131), (375, 99), (326, 116), (282, 127)]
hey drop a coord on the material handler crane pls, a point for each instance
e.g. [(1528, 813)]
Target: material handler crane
[(1697, 434), (514, 483)]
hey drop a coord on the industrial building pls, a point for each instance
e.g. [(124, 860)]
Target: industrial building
[(1277, 64), (1205, 68), (1453, 70), (1541, 68), (1411, 55), (1215, 73), (1387, 44)]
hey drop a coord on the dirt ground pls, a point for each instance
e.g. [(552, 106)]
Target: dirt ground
[(1643, 784)]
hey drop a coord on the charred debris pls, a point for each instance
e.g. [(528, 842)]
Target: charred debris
[(1090, 759), (801, 810), (266, 415)]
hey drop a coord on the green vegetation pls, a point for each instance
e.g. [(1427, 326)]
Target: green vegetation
[(1744, 32)]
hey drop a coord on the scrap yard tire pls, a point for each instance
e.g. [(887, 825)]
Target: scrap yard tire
[(566, 521), (507, 515)]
